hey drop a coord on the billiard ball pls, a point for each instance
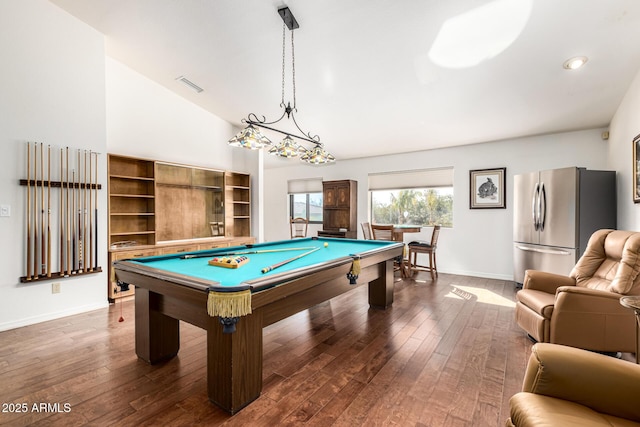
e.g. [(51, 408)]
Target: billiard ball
[(326, 244)]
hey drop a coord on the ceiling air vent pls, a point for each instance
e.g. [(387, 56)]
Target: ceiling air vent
[(189, 83)]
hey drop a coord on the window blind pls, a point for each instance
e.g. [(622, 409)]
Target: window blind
[(417, 178), (302, 186)]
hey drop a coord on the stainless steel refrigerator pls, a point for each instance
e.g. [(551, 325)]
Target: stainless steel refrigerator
[(555, 213)]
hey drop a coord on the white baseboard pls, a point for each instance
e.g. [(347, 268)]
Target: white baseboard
[(51, 316)]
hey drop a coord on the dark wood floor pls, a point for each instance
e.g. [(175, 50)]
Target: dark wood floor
[(446, 354)]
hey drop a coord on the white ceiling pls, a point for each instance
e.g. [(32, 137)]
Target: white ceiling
[(370, 77)]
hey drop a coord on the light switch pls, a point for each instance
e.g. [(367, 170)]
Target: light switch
[(5, 210)]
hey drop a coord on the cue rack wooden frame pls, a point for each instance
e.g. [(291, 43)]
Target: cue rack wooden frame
[(61, 233)]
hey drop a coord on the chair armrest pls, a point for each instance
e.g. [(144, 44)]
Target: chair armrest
[(592, 319), (602, 383), (546, 282), (584, 300)]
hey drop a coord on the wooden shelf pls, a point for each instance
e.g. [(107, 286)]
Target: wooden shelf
[(204, 187), (137, 178), (131, 199), (147, 196), (129, 233)]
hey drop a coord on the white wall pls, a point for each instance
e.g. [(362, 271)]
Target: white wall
[(145, 119), (625, 125), (52, 89), (480, 243)]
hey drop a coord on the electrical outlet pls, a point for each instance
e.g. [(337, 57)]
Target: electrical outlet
[(5, 210), (55, 288)]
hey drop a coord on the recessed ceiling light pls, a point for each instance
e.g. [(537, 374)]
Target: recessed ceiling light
[(575, 62)]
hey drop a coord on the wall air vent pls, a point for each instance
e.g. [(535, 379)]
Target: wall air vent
[(189, 83)]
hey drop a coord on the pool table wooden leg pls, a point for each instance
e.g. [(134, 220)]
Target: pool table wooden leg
[(234, 362), (157, 335), (381, 289)]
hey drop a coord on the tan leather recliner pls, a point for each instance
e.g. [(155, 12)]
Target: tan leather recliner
[(583, 310), (566, 386)]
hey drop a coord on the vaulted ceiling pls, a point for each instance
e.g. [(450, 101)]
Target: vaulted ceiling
[(375, 77)]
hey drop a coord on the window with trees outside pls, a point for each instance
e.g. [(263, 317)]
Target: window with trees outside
[(423, 197), (305, 199), (307, 205)]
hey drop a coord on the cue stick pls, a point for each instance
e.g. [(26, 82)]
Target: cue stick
[(43, 238), (84, 217), (61, 232), (49, 211), (90, 211), (96, 213), (287, 261), (28, 211), (244, 252), (66, 221), (78, 210), (72, 219), (36, 235)]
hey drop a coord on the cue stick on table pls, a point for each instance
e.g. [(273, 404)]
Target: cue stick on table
[(243, 252), (28, 211), (287, 261)]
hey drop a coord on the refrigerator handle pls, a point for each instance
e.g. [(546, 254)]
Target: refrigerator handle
[(543, 250), (534, 206), (542, 216)]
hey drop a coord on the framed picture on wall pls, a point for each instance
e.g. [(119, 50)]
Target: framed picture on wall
[(488, 188), (636, 169)]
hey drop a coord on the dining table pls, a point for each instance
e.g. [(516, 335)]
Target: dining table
[(400, 229)]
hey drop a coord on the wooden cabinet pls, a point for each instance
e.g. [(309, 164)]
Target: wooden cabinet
[(340, 209), (114, 290), (190, 202), (237, 204), (160, 208)]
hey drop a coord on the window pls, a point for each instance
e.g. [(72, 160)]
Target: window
[(308, 205), (423, 197), (305, 199)]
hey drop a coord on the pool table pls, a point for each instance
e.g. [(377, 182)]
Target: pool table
[(177, 287)]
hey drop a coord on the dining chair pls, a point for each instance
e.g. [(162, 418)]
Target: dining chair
[(366, 230), (385, 232), (382, 231), (422, 247), (299, 227)]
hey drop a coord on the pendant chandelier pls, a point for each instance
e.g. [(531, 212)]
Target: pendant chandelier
[(292, 144)]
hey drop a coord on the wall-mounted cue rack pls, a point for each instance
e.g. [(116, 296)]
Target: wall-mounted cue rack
[(61, 212)]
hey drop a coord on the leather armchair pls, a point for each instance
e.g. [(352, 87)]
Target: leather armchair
[(566, 386), (583, 309)]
